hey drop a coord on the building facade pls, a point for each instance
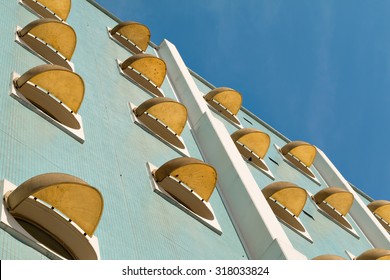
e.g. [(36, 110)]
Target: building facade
[(112, 148)]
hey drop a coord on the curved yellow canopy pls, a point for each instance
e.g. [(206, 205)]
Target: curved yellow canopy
[(288, 194), (60, 8), (305, 152), (196, 174), (328, 257), (339, 198), (381, 208), (375, 254), (136, 32), (169, 111), (57, 34), (64, 84), (72, 196), (228, 97), (254, 139), (150, 66)]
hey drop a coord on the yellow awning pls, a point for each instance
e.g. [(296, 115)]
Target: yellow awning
[(381, 208), (150, 66), (339, 198), (57, 34), (328, 257), (254, 139), (72, 196), (64, 84), (196, 174), (288, 194), (169, 111), (59, 8), (228, 97), (305, 152), (375, 254), (136, 32)]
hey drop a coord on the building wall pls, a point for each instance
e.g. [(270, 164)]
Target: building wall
[(137, 223)]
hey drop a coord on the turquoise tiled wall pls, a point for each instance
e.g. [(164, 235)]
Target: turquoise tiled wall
[(136, 223), (12, 248)]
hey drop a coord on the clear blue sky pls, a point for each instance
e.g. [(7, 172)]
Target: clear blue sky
[(317, 71)]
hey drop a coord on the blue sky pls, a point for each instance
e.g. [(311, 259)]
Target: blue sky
[(317, 71)]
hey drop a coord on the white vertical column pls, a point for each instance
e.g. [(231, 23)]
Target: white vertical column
[(259, 230)]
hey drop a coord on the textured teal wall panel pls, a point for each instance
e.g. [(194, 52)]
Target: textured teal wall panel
[(136, 223), (11, 248)]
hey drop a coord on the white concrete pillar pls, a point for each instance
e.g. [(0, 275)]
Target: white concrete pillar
[(259, 230)]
